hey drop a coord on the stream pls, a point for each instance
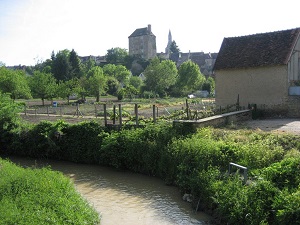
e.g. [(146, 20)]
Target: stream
[(124, 198)]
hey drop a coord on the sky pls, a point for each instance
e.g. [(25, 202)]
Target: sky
[(31, 29)]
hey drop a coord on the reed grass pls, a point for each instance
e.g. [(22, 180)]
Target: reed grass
[(41, 196)]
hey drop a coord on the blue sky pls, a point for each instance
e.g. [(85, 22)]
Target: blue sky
[(31, 29)]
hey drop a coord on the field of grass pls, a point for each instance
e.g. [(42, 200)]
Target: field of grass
[(40, 196)]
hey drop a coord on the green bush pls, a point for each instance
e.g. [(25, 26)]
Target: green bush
[(284, 174), (138, 149), (9, 119), (287, 207), (240, 204), (40, 196), (40, 140), (82, 142)]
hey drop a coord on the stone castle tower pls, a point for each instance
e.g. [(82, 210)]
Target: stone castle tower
[(143, 42)]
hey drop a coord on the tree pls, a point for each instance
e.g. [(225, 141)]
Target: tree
[(189, 77), (113, 85), (117, 56), (14, 83), (68, 88), (160, 75), (61, 65), (174, 48), (209, 85), (75, 65), (43, 85), (97, 82), (119, 72), (129, 91), (136, 82), (86, 66)]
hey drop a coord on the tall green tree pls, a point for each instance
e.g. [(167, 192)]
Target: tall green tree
[(189, 77), (68, 88), (14, 83), (97, 82), (113, 85), (86, 66), (117, 56), (160, 75), (120, 72), (174, 48), (43, 86), (61, 66), (209, 85), (136, 82), (75, 65)]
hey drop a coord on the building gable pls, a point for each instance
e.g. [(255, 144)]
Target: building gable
[(256, 50)]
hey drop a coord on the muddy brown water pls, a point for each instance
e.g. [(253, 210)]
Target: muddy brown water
[(124, 198)]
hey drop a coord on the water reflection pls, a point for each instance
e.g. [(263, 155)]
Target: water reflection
[(123, 197)]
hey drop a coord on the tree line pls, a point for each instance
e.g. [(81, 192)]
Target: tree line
[(64, 75)]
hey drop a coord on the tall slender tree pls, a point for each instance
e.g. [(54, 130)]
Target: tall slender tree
[(75, 65)]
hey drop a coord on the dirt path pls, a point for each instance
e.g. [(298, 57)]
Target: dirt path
[(275, 125)]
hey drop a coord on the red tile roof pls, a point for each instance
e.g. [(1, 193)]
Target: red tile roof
[(256, 50)]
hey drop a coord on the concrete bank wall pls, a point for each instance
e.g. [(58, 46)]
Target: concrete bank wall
[(218, 120)]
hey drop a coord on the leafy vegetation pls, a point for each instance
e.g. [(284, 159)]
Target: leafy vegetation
[(40, 196), (194, 160)]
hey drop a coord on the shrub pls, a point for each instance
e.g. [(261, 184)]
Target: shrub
[(9, 118), (287, 207), (284, 174), (82, 142)]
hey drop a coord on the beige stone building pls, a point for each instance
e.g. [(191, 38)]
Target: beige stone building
[(142, 42), (261, 69)]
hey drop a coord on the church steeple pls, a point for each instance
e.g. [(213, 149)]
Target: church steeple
[(167, 50)]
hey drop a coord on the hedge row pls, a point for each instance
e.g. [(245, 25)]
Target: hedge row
[(196, 162)]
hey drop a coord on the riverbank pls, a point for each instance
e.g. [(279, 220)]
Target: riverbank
[(123, 197), (40, 196)]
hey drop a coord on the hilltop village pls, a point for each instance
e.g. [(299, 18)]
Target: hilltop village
[(142, 42)]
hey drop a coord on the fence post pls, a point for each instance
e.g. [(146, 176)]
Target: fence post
[(25, 110), (187, 109), (105, 114), (47, 110), (114, 113), (35, 111), (95, 110), (120, 115), (136, 114), (154, 114)]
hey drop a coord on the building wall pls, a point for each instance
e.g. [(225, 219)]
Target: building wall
[(294, 63), (143, 45), (265, 86)]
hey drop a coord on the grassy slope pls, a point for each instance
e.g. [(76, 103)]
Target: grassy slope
[(40, 196)]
